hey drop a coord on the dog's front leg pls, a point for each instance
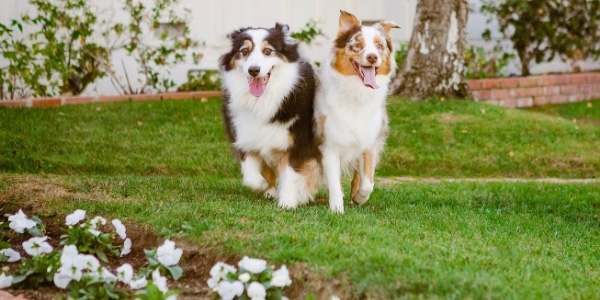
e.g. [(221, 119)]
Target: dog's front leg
[(251, 171), (288, 188), (331, 168), (363, 182)]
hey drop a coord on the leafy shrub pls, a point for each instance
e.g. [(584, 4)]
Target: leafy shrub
[(542, 30), (307, 34), (401, 53), (63, 53), (205, 80), (152, 59), (480, 63)]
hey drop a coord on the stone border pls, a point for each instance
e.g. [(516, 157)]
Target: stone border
[(60, 101), (536, 90)]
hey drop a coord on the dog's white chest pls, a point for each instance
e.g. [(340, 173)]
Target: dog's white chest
[(259, 135), (354, 115)]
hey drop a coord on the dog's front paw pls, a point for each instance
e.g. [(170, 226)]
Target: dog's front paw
[(271, 193), (336, 205), (361, 197), (287, 203), (256, 182)]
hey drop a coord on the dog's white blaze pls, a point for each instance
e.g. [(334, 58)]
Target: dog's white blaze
[(256, 57), (369, 35)]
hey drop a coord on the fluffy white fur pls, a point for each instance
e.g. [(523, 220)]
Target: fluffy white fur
[(355, 118)]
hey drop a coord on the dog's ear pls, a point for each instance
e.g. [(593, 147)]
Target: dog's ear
[(348, 21), (236, 33), (284, 28), (386, 26)]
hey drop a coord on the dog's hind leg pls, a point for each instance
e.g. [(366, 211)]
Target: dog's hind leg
[(251, 171), (363, 182)]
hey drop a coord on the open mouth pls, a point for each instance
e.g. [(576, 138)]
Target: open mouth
[(366, 74), (258, 85)]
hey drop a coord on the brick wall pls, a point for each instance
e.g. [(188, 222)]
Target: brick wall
[(536, 90)]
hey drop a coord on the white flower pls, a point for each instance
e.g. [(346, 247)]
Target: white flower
[(125, 273), (75, 217), (229, 290), (19, 222), (172, 297), (137, 284), (284, 298), (36, 246), (220, 270), (98, 221), (5, 281), (253, 265), (213, 282), (65, 274), (106, 275), (167, 255), (257, 291), (159, 281), (244, 277), (94, 232), (120, 228), (11, 254), (70, 259), (91, 262), (334, 298), (281, 277), (126, 247)]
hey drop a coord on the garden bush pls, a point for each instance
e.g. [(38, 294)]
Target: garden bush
[(543, 30)]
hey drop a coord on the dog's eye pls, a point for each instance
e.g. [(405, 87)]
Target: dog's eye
[(245, 51), (267, 51), (380, 47)]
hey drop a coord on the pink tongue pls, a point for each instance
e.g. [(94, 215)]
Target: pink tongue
[(369, 79), (257, 86)]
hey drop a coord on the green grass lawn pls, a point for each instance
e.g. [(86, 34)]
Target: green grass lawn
[(427, 139), (168, 164), (587, 112)]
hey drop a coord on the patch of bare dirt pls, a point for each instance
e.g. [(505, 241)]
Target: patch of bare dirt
[(31, 193)]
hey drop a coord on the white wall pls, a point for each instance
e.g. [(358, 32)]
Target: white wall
[(212, 20)]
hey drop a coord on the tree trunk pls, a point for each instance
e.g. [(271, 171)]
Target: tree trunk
[(434, 64)]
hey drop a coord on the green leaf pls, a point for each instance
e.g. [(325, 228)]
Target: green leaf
[(34, 231), (102, 256), (176, 271)]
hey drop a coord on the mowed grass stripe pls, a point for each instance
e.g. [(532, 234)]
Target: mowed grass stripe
[(448, 240), (452, 139)]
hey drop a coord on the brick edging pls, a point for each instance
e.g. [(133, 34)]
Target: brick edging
[(537, 90), (60, 101)]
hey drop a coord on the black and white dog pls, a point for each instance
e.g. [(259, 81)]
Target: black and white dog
[(268, 108)]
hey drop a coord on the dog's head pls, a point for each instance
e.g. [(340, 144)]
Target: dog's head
[(257, 51), (363, 51)]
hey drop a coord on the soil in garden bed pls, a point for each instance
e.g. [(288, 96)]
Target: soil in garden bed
[(30, 194)]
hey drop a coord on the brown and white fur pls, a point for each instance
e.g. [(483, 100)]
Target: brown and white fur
[(268, 108), (350, 106)]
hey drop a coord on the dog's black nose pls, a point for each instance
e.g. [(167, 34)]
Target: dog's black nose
[(253, 71), (372, 58)]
